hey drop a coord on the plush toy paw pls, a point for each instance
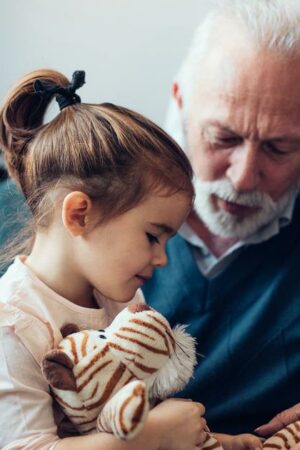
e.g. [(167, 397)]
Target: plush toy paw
[(126, 412)]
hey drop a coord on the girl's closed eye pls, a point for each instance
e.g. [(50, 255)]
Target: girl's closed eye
[(152, 238)]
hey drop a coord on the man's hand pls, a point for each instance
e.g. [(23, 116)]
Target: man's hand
[(281, 420)]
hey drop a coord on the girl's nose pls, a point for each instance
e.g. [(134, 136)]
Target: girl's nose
[(160, 258)]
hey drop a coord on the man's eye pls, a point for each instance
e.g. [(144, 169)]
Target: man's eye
[(152, 239), (271, 148), (228, 141)]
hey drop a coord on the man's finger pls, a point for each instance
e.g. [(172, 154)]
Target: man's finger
[(280, 421)]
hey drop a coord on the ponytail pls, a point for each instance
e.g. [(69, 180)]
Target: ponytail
[(21, 116)]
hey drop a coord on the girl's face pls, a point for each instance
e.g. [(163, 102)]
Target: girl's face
[(118, 257)]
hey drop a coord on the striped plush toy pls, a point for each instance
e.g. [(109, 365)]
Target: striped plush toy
[(284, 439), (107, 379)]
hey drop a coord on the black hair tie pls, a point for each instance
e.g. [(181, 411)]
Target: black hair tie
[(66, 96)]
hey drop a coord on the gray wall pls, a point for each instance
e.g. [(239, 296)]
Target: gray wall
[(130, 49)]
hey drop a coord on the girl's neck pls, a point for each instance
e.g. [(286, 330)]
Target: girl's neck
[(53, 263)]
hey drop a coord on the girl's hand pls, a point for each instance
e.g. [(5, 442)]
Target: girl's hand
[(239, 442), (179, 424), (246, 442)]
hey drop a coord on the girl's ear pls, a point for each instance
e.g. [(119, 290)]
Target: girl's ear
[(76, 213), (177, 94)]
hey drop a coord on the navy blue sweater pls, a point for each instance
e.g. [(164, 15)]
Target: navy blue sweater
[(247, 323)]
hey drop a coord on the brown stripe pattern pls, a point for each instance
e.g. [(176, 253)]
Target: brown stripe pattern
[(138, 393), (139, 346), (284, 439)]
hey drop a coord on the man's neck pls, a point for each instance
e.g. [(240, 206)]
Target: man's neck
[(217, 245)]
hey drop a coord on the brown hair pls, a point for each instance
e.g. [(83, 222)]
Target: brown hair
[(109, 152)]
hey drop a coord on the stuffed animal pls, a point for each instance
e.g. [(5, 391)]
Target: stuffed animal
[(284, 439), (107, 379)]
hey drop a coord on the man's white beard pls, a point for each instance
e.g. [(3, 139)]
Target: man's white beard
[(224, 224)]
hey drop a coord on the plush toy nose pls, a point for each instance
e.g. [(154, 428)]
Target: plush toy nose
[(139, 307)]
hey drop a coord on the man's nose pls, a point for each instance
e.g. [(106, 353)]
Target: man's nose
[(244, 171), (160, 258)]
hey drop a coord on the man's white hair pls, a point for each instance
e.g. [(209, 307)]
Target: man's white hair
[(269, 24)]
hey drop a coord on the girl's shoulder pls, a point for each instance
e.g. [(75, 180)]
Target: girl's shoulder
[(21, 310), (34, 333)]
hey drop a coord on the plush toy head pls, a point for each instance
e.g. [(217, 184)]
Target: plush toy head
[(105, 378)]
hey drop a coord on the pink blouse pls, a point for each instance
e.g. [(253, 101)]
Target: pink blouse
[(31, 315)]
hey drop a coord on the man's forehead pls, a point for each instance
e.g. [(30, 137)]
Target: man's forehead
[(248, 71), (260, 90)]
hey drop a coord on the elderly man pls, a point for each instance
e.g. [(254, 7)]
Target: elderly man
[(233, 272)]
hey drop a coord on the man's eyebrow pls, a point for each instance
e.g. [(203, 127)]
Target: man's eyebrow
[(292, 136), (164, 227), (285, 138), (217, 124)]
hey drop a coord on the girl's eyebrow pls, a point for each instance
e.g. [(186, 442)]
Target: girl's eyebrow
[(164, 227)]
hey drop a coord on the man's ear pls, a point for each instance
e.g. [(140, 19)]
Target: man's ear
[(76, 212), (177, 94)]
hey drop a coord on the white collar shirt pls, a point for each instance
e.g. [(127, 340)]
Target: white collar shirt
[(211, 265)]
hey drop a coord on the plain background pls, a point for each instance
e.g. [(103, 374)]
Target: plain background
[(130, 49)]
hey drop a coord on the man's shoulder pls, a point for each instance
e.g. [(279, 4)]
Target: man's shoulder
[(10, 191), (13, 212)]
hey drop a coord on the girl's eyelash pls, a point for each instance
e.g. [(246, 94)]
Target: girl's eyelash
[(152, 239)]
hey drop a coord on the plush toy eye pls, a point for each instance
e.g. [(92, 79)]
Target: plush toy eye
[(102, 336)]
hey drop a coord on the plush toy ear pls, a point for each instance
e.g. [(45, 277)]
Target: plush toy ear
[(179, 368), (69, 328), (57, 369)]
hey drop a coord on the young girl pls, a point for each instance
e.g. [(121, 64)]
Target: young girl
[(107, 188)]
